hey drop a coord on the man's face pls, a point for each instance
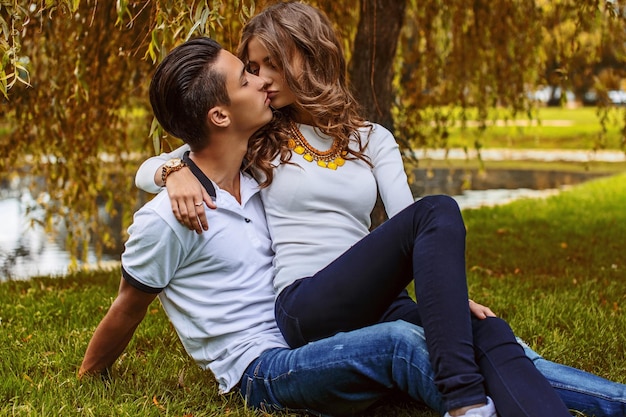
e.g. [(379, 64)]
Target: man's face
[(249, 104)]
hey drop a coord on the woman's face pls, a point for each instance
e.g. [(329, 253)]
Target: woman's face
[(260, 63)]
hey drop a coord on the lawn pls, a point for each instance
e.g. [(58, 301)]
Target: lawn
[(550, 128), (554, 268)]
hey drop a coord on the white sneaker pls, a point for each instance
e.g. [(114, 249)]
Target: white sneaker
[(487, 410)]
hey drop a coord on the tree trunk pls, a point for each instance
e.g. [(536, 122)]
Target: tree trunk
[(371, 68)]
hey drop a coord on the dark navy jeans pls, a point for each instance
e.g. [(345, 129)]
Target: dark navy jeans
[(423, 244)]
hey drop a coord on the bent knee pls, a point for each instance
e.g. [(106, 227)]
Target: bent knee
[(492, 331), (441, 202), (400, 331)]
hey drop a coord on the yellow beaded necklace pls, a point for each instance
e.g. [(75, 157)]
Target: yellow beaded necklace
[(331, 159)]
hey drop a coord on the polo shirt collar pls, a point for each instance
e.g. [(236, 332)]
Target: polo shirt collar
[(204, 180), (249, 186)]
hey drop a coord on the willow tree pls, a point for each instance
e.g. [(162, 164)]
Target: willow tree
[(74, 76), (75, 84)]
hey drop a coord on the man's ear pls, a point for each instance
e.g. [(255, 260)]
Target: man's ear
[(219, 116)]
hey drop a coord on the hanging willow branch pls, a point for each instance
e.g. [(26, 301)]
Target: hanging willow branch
[(74, 77)]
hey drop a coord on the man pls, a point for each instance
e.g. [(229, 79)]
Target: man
[(216, 288)]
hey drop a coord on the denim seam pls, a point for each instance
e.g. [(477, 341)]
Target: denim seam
[(586, 392)]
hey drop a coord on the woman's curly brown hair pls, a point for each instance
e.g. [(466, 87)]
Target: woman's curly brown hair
[(289, 31)]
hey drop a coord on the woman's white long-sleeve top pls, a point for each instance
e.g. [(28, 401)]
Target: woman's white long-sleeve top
[(315, 214)]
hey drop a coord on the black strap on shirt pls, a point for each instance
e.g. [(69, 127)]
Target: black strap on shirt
[(204, 180)]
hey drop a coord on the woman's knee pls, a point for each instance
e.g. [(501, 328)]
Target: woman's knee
[(441, 211), (492, 332), (441, 202)]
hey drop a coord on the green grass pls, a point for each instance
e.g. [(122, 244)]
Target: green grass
[(554, 268), (559, 128)]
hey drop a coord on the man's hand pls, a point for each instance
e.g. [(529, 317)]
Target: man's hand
[(105, 374)]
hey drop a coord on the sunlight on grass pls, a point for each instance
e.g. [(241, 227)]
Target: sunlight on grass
[(556, 128)]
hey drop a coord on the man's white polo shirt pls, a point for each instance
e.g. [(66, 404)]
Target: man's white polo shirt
[(216, 288)]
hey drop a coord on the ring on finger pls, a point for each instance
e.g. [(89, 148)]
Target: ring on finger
[(197, 204)]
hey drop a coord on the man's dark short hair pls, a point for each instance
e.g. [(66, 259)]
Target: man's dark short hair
[(185, 87)]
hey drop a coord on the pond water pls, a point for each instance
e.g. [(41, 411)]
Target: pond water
[(474, 189), (27, 251), (25, 248)]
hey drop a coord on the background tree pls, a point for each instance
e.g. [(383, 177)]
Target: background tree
[(372, 69), (74, 77), (77, 109)]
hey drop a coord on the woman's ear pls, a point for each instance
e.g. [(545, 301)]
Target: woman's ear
[(219, 117)]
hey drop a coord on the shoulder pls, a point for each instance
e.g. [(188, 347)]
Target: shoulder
[(156, 245), (377, 129), (157, 210), (154, 220), (373, 132), (377, 138)]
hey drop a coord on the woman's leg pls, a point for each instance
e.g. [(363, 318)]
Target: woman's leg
[(402, 308), (424, 243), (515, 384), (511, 378), (580, 390)]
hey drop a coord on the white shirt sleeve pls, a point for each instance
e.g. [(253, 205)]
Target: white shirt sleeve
[(389, 171), (144, 179), (153, 253)]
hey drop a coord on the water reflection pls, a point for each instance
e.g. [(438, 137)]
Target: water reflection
[(470, 199), (455, 181), (26, 250)]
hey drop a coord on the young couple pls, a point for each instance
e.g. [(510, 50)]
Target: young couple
[(354, 332)]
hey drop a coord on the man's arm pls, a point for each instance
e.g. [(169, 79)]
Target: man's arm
[(116, 329)]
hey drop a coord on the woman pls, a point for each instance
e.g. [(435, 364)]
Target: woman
[(321, 171)]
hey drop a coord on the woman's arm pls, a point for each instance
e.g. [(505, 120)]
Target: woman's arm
[(389, 171), (185, 191), (148, 177)]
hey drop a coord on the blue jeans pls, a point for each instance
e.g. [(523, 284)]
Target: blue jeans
[(344, 374), (423, 244), (349, 372), (580, 390)]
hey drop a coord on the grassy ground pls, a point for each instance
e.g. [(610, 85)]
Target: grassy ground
[(554, 268), (559, 128)]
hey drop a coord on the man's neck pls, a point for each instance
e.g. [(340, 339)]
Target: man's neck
[(222, 164)]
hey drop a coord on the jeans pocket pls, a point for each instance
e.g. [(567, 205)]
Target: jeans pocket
[(257, 396)]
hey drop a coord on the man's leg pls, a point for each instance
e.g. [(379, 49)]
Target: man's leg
[(344, 374), (580, 390)]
